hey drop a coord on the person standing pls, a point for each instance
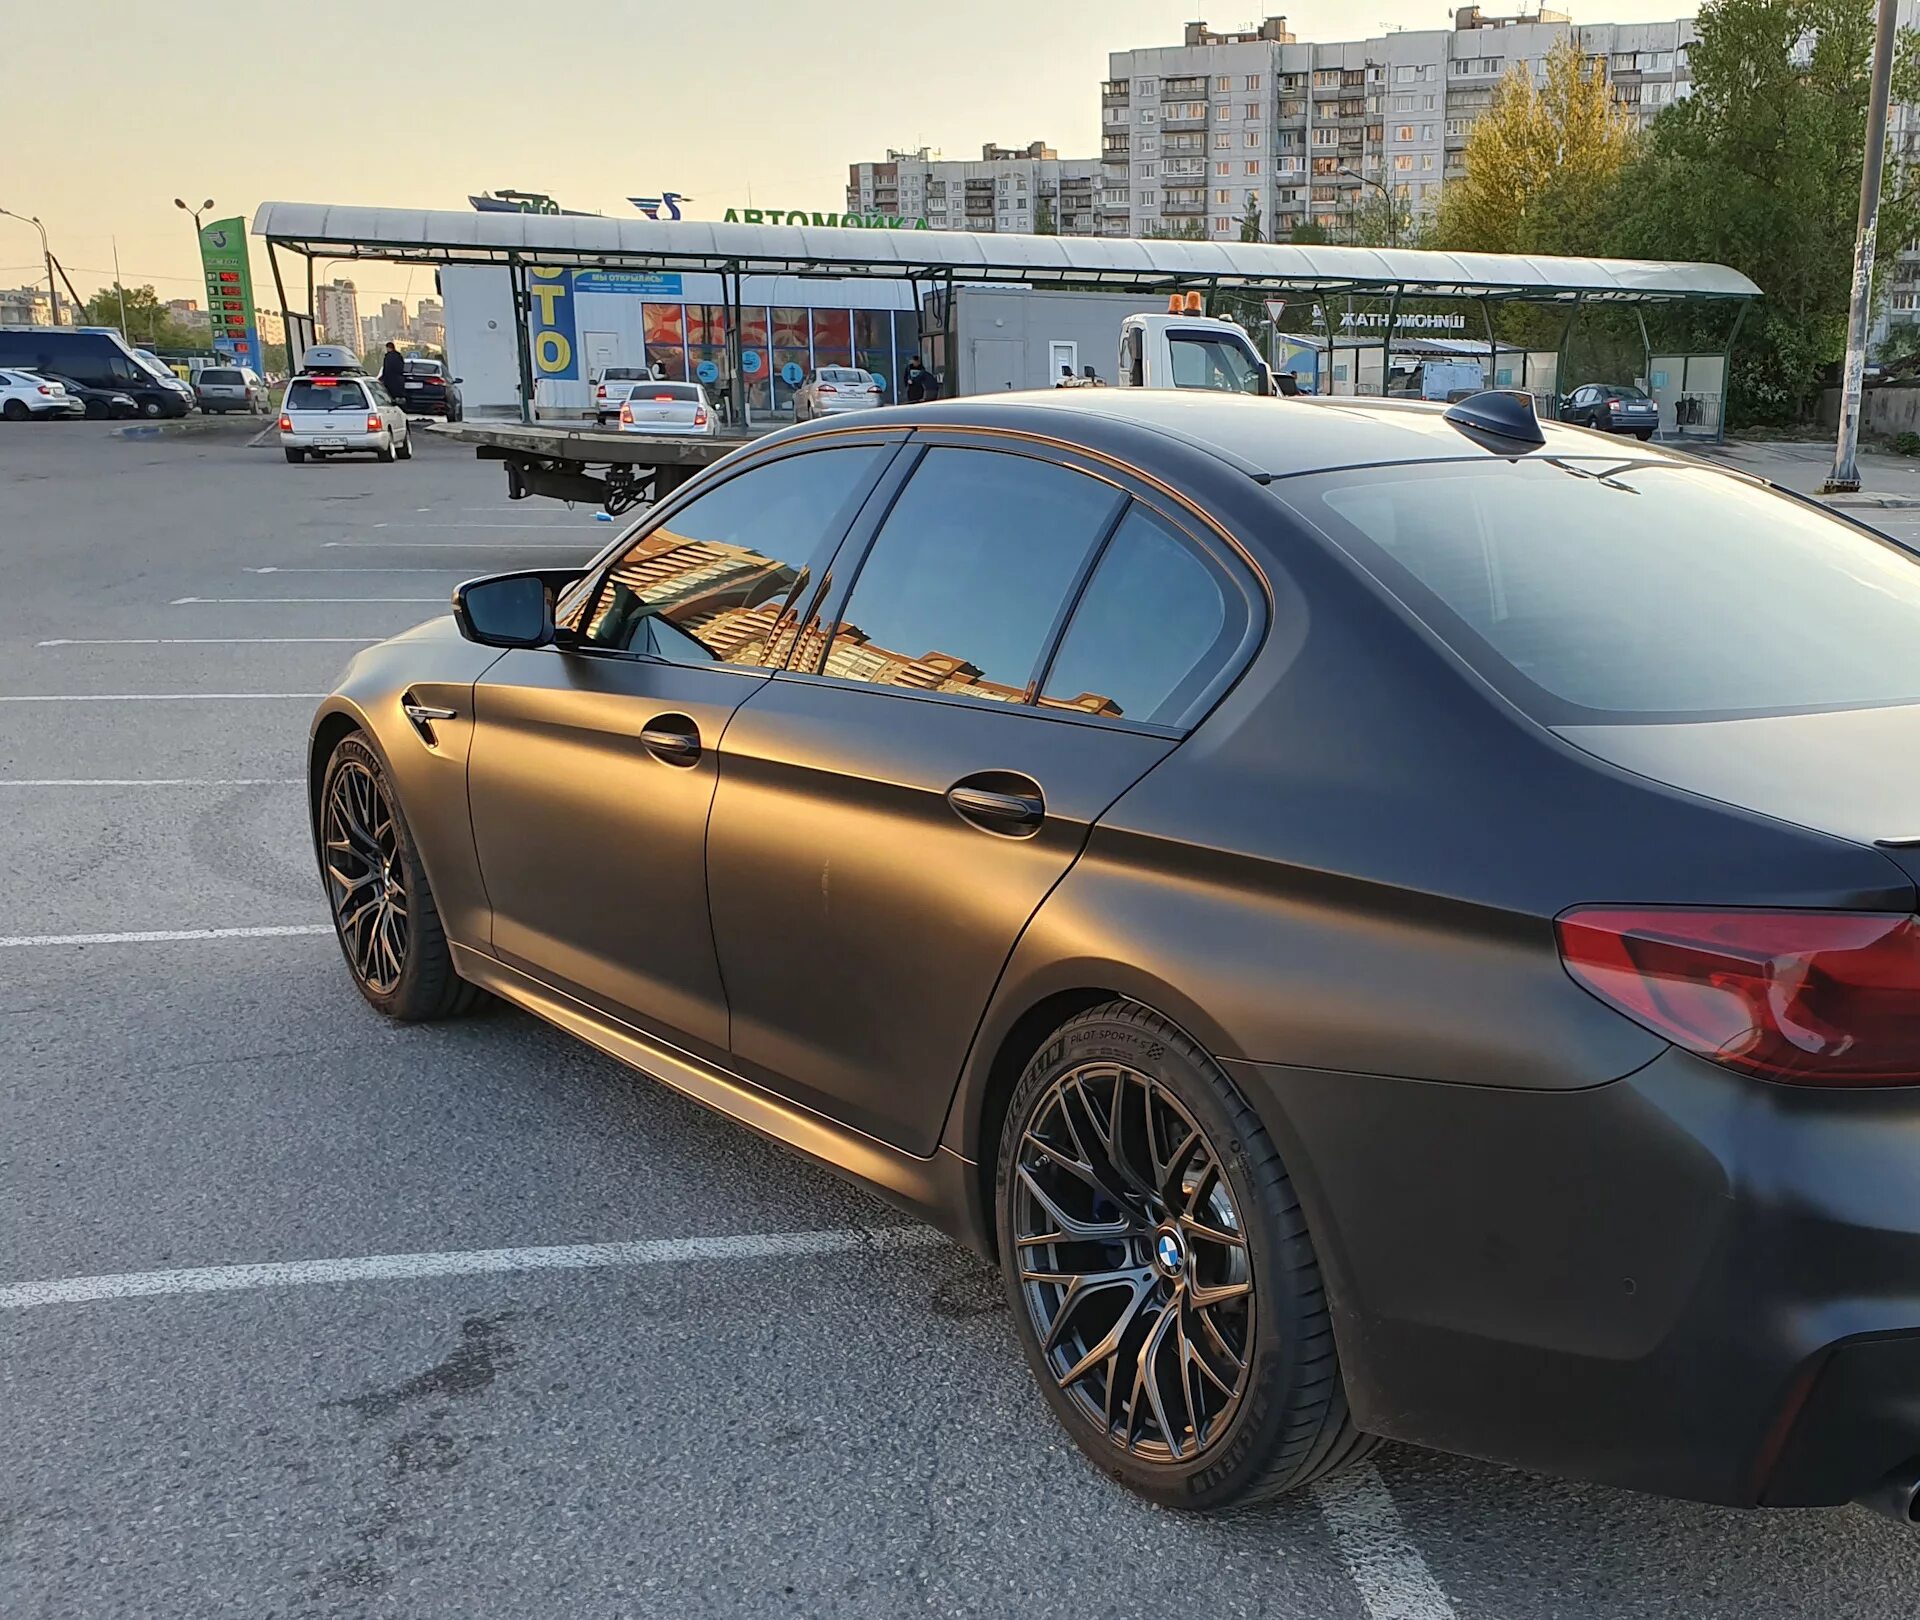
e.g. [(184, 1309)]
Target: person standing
[(393, 372)]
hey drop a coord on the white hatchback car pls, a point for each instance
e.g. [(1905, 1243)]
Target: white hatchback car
[(834, 389), (679, 409), (23, 394), (342, 415)]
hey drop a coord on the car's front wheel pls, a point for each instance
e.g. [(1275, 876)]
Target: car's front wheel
[(383, 911), (1163, 1282), (150, 407)]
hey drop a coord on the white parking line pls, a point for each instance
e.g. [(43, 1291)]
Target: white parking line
[(558, 523), (164, 936), (464, 545), (208, 641), (463, 1263), (287, 601), (147, 781), (157, 697), (1394, 1581)]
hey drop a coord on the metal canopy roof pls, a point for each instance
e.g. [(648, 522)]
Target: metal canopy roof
[(446, 236)]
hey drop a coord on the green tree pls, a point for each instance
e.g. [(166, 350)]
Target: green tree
[(1543, 163), (1180, 230), (1760, 169), (1380, 221), (1250, 220), (1043, 223), (1308, 233), (147, 321)]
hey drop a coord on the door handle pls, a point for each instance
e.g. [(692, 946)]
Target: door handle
[(671, 738), (1011, 810)]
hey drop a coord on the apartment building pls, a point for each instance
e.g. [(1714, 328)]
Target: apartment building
[(1200, 132), (26, 306), (1006, 189), (336, 310)]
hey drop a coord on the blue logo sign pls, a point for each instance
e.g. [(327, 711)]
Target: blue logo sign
[(1166, 1249), (668, 202), (751, 362), (791, 373), (707, 371)]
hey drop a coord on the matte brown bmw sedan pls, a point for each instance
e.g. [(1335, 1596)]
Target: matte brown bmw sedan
[(1386, 922)]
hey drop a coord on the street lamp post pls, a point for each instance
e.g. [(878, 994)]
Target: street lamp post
[(181, 203), (1386, 196), (53, 292)]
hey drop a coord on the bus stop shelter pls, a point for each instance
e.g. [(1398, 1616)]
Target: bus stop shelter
[(526, 246)]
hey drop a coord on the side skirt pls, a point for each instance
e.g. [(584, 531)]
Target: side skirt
[(939, 1190)]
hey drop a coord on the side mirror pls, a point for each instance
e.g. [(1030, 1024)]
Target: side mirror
[(509, 610), (458, 380)]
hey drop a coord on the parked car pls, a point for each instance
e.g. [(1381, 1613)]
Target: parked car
[(1613, 408), (1385, 919), (833, 390), (610, 390), (668, 407), (95, 402), (429, 391), (342, 414), (100, 358), (220, 389), (25, 394)]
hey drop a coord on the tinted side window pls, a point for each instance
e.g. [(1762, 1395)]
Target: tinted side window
[(710, 584), (1157, 622), (969, 573)]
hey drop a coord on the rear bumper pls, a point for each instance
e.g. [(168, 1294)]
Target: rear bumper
[(1684, 1281), (669, 430), (337, 443)]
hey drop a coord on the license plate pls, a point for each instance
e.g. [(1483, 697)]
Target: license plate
[(329, 444), (413, 385)]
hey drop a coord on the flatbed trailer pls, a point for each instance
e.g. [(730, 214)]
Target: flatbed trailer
[(617, 471)]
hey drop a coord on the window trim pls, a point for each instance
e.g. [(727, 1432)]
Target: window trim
[(597, 572), (1192, 526)]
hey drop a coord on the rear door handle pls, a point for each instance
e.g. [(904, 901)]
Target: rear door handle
[(671, 738), (998, 810)]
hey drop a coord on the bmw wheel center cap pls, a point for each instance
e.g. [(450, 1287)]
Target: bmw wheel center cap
[(1168, 1254)]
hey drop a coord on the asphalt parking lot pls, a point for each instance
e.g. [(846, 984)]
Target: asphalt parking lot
[(631, 1360)]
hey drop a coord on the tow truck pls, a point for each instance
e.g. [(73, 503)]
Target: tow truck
[(1182, 348)]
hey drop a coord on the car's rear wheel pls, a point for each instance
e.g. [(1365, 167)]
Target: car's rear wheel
[(405, 450), (383, 912), (14, 410), (293, 455), (385, 451), (1163, 1282)]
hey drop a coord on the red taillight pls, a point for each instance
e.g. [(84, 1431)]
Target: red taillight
[(873, 388), (1809, 997), (601, 391), (699, 417), (45, 389), (373, 421), (626, 415), (826, 388), (663, 399), (286, 423)]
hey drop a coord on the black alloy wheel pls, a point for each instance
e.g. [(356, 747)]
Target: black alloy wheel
[(366, 879), (1133, 1263), (1163, 1282), (383, 908)]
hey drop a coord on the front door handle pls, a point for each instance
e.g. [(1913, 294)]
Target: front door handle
[(1012, 806), (671, 738)]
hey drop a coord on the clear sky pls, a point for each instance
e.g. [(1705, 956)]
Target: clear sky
[(422, 102)]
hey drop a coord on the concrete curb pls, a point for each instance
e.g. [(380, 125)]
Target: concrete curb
[(173, 427), (1869, 499)]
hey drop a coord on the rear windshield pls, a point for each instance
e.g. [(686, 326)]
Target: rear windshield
[(622, 374), (1626, 391), (1612, 591), (324, 394), (662, 390), (423, 368), (841, 374), (213, 374)]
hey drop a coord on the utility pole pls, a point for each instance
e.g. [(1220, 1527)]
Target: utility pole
[(1846, 475), (120, 287), (53, 290)]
